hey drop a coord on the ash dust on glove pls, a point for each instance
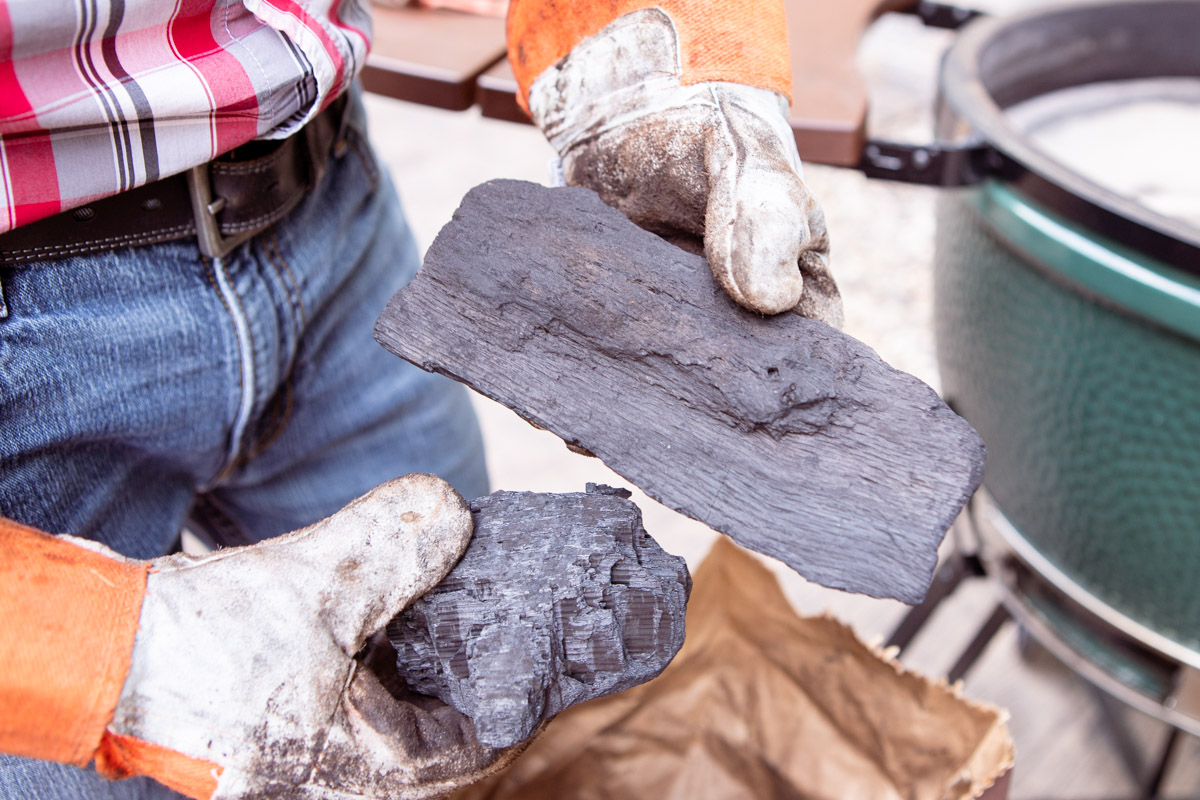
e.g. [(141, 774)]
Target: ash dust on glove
[(247, 679), (689, 157)]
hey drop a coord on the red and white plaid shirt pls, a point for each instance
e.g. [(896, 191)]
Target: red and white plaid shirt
[(99, 96)]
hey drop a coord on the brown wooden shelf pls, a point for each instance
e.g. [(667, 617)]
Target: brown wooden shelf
[(431, 56), (497, 94), (829, 99)]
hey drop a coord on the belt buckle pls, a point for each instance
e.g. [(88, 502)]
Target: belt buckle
[(205, 208)]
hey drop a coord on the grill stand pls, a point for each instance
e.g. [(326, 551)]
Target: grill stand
[(987, 546)]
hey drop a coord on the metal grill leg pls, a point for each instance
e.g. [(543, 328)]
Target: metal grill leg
[(949, 577), (979, 643), (1154, 782)]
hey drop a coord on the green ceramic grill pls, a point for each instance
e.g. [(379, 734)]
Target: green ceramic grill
[(1068, 333)]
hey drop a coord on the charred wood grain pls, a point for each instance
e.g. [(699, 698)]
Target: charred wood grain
[(560, 598), (791, 437)]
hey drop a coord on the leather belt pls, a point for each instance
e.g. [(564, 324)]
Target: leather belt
[(221, 203)]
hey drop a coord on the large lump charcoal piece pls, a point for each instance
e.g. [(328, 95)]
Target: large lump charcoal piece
[(559, 599), (787, 435)]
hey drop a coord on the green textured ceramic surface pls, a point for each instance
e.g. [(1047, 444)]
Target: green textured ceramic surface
[(1079, 364)]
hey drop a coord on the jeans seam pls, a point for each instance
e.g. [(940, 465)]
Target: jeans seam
[(245, 368), (3, 302), (279, 422), (275, 256)]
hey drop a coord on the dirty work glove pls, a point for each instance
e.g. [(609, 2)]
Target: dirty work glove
[(243, 680), (677, 116)]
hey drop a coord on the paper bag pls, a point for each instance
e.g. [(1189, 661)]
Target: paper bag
[(764, 704)]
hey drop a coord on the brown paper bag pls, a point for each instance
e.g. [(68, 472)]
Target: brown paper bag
[(763, 704)]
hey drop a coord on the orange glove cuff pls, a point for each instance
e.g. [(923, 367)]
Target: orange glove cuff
[(739, 41), (124, 757), (70, 617)]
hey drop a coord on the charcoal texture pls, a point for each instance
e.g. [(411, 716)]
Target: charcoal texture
[(791, 437), (560, 598)]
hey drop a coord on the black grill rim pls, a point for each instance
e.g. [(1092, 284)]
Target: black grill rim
[(995, 63)]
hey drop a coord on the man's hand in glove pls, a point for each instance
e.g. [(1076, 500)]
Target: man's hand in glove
[(245, 677), (675, 112)]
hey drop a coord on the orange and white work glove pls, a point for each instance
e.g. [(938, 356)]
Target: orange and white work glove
[(234, 674), (675, 112)]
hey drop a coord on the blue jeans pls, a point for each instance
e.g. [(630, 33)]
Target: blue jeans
[(145, 389)]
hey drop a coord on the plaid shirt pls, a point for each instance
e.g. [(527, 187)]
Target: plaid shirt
[(100, 96)]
